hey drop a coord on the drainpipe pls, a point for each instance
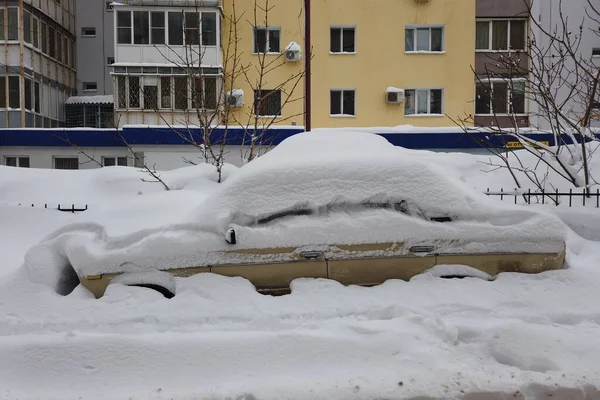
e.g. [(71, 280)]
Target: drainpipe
[(21, 37), (307, 62)]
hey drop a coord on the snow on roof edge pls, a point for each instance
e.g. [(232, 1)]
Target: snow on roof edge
[(102, 99)]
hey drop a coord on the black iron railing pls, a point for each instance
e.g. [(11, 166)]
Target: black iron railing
[(555, 197)]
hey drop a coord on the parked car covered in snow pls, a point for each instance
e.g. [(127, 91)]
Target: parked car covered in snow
[(345, 206)]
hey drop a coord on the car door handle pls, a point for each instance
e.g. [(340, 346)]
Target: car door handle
[(421, 249), (311, 254)]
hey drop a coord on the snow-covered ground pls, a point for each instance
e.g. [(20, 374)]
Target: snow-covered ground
[(519, 336)]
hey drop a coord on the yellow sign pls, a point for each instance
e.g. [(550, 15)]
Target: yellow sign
[(518, 145)]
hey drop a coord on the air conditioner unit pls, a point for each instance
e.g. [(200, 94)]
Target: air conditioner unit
[(293, 52), (235, 98), (394, 95)]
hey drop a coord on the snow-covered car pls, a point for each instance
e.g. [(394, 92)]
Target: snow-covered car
[(345, 206)]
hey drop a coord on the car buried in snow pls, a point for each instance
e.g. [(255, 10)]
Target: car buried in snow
[(345, 206)]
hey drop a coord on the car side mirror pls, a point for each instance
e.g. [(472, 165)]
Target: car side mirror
[(230, 236)]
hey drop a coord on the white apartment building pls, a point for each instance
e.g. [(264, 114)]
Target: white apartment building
[(37, 39), (157, 45)]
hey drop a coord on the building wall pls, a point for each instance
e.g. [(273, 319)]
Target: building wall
[(502, 8), (163, 158), (93, 52), (289, 16), (143, 66), (38, 76), (575, 13), (493, 65), (380, 60)]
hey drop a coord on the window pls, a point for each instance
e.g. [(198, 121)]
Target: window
[(1, 23), (58, 46), (192, 28), (141, 27), (500, 97), (12, 161), (121, 91), (28, 92), (500, 35), (150, 92), (90, 86), (424, 39), (181, 92), (342, 102), (165, 92), (205, 93), (343, 40), (13, 92), (112, 161), (209, 29), (36, 39), (134, 92), (596, 52), (267, 103), (51, 42), (267, 40), (44, 38), (26, 26), (175, 28), (36, 97), (66, 163), (72, 53), (423, 102), (13, 24), (110, 60), (2, 92), (124, 27), (65, 50), (88, 32), (157, 23)]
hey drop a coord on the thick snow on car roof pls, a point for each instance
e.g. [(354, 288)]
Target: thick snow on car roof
[(314, 169), (311, 169)]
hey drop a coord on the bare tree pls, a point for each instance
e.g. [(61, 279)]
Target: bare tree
[(206, 123), (560, 83), (266, 109)]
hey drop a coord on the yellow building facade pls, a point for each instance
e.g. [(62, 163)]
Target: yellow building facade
[(374, 62)]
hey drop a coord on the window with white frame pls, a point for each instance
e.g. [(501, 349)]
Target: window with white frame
[(13, 23), (141, 27), (88, 32), (27, 26), (342, 39), (66, 163), (175, 28), (424, 39), (500, 34), (112, 161), (500, 97), (124, 27), (16, 161), (267, 40), (153, 88), (342, 102), (90, 86), (157, 27), (423, 101)]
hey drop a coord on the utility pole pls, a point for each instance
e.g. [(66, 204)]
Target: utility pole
[(307, 62)]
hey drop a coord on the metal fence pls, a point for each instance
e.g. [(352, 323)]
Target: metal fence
[(583, 198), (72, 208)]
